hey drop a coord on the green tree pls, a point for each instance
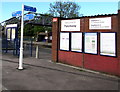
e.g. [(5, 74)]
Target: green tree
[(32, 30), (64, 9), (28, 30)]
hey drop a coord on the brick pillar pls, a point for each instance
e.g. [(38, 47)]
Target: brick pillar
[(55, 39), (118, 41)]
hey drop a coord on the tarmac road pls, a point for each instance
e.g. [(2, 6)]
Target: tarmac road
[(42, 74)]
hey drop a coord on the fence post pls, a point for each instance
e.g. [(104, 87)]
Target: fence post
[(6, 43), (14, 46), (31, 48), (37, 51)]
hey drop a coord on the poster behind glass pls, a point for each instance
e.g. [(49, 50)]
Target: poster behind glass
[(64, 41), (90, 41), (13, 33), (76, 42), (8, 33), (108, 44)]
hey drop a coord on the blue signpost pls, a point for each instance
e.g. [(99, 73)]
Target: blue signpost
[(29, 8), (17, 14), (26, 8), (29, 17)]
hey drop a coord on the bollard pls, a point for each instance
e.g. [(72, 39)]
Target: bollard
[(37, 51)]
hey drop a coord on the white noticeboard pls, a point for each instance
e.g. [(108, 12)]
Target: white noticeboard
[(100, 23), (13, 33), (8, 33), (64, 41), (108, 44), (90, 43), (76, 42), (70, 25)]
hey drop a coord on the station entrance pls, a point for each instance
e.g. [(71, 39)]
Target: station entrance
[(11, 37), (82, 42), (10, 40)]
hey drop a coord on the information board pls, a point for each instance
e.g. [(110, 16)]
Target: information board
[(100, 23), (108, 44), (28, 17), (90, 41), (76, 42), (13, 33), (16, 13), (8, 34), (70, 25), (64, 41)]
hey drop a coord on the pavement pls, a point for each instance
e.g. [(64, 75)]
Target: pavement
[(43, 74)]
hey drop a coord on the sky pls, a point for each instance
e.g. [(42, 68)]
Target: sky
[(87, 8)]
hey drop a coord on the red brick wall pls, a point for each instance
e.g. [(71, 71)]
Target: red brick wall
[(71, 58), (101, 63), (97, 62), (94, 62), (118, 41), (119, 65)]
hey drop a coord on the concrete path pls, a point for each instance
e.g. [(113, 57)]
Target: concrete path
[(42, 74)]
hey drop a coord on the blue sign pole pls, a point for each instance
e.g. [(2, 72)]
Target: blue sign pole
[(28, 8), (29, 17), (17, 14), (20, 67)]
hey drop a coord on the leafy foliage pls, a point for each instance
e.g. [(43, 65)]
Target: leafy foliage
[(64, 9), (30, 30)]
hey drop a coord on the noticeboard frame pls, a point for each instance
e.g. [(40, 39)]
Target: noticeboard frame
[(71, 30), (105, 21), (81, 41), (60, 41), (16, 32), (96, 44), (115, 44)]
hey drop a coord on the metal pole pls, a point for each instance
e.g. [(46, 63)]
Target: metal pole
[(31, 47), (21, 43), (37, 51), (6, 42)]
